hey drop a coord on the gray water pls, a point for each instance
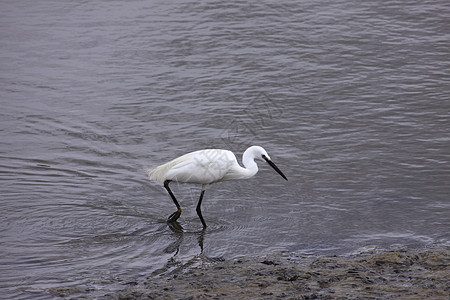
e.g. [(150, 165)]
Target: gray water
[(350, 99)]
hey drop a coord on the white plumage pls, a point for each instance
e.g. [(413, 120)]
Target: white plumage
[(208, 166), (202, 167)]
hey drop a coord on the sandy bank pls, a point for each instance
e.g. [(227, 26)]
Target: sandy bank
[(394, 273)]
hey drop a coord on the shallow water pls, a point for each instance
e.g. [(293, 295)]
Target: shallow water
[(350, 99)]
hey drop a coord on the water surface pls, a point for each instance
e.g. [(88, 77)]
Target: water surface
[(350, 99)]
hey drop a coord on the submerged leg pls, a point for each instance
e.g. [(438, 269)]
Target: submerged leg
[(199, 209), (175, 215)]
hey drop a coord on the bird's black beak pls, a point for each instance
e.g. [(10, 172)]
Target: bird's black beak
[(274, 166)]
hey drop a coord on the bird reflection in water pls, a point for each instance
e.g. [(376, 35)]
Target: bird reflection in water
[(179, 233)]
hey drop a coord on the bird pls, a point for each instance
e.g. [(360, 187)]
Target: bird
[(206, 167)]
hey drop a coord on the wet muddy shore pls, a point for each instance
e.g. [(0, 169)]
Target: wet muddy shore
[(376, 274)]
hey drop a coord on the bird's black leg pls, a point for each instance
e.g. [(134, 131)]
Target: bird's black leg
[(174, 216), (199, 209)]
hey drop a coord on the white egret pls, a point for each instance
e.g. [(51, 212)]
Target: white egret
[(206, 167)]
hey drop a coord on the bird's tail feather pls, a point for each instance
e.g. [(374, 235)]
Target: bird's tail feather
[(156, 174), (151, 173)]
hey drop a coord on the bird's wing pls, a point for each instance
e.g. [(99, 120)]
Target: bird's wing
[(160, 173), (203, 166)]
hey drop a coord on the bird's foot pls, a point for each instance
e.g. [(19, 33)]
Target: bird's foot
[(175, 227), (174, 216)]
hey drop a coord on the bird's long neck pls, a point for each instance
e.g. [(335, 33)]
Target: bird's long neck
[(250, 167)]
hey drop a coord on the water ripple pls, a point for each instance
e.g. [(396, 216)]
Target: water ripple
[(348, 98)]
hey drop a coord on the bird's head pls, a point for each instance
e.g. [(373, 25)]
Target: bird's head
[(261, 153)]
